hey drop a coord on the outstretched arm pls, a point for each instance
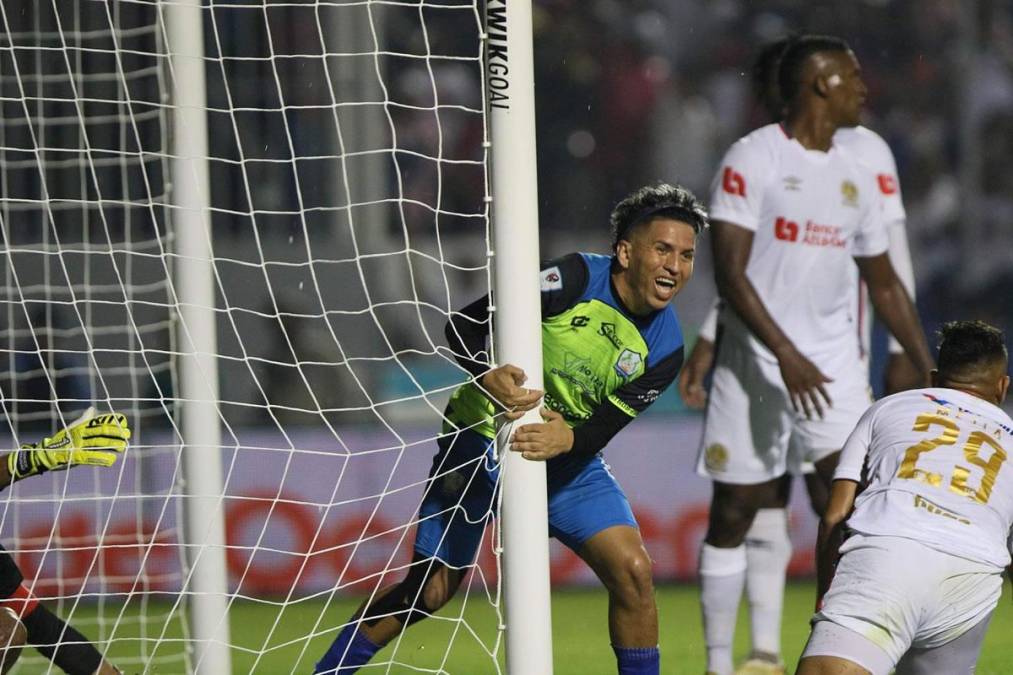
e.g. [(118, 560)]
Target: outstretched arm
[(88, 440)]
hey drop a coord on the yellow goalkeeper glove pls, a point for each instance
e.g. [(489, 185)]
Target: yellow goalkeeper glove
[(88, 440)]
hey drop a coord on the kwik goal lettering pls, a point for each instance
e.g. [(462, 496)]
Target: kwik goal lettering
[(496, 55)]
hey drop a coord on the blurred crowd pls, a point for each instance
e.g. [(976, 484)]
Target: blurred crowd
[(639, 91), (634, 91), (348, 164)]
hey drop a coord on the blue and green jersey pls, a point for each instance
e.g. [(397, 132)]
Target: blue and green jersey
[(602, 365)]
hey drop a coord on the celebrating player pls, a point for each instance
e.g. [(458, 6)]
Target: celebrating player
[(792, 210), (768, 546), (611, 344), (89, 440), (921, 569)]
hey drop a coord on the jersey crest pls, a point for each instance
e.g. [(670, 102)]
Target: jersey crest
[(849, 194), (628, 363)]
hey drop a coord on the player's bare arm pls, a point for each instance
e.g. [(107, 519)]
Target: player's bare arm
[(831, 533), (804, 381), (505, 385), (543, 441), (700, 360), (893, 305)]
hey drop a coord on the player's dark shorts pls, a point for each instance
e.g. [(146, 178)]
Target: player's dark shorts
[(461, 492)]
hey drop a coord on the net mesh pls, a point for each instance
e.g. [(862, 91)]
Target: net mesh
[(348, 214)]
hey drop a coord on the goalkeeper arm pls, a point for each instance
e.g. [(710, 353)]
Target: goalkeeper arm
[(92, 440)]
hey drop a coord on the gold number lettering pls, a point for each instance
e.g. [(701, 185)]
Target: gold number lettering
[(948, 437), (972, 452), (991, 466)]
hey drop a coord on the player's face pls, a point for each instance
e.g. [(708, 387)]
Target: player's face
[(846, 89), (655, 264)]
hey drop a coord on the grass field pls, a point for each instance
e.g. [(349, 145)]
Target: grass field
[(581, 645)]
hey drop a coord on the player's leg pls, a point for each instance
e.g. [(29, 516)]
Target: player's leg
[(744, 451), (768, 552), (724, 563), (452, 518), (12, 637), (590, 514), (618, 557)]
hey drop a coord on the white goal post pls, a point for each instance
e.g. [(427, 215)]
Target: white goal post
[(511, 92), (245, 224)]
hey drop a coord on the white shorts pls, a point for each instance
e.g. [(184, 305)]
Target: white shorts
[(751, 432), (899, 594)]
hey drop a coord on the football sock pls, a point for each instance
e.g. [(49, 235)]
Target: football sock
[(638, 660), (722, 576), (348, 656), (768, 552)]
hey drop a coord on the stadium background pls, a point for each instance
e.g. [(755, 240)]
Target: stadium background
[(627, 92)]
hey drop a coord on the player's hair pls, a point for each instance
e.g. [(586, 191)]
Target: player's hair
[(656, 201), (794, 57), (965, 346), (767, 63)]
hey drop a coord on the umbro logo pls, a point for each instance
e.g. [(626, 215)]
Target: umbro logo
[(792, 183)]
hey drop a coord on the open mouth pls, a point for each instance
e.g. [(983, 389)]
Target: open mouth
[(665, 283)]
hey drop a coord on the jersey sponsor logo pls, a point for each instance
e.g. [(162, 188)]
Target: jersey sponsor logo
[(817, 234), (937, 510), (628, 363), (552, 403), (577, 371), (609, 331), (785, 230), (793, 183), (579, 321), (551, 279), (732, 182), (849, 194), (887, 184), (813, 234)]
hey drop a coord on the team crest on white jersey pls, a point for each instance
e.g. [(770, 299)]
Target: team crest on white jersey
[(793, 183), (628, 363), (551, 279), (849, 193)]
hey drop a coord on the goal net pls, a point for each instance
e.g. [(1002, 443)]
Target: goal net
[(347, 215)]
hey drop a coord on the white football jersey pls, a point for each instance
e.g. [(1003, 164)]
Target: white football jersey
[(934, 465), (811, 213), (873, 152)]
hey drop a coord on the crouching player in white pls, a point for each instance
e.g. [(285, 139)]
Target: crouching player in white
[(921, 571)]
